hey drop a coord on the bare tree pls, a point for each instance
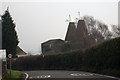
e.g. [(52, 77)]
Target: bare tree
[(98, 31), (115, 31)]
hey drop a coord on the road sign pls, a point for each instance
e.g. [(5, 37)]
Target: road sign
[(10, 55)]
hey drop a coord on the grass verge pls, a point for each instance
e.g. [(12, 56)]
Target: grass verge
[(15, 75)]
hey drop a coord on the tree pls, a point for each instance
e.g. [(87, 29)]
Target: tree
[(115, 31), (97, 30), (9, 35)]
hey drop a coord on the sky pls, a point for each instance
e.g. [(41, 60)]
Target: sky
[(39, 21)]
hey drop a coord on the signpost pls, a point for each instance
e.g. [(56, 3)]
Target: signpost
[(10, 56)]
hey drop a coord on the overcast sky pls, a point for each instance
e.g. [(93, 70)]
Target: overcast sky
[(37, 22)]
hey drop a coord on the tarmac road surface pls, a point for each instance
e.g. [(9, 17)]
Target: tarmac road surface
[(66, 75)]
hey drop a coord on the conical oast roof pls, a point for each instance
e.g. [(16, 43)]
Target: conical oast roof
[(71, 32), (78, 36), (82, 35)]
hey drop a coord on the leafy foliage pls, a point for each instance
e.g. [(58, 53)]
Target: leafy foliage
[(102, 58), (9, 35), (4, 71)]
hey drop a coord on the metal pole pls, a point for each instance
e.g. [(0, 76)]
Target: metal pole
[(6, 63), (10, 67)]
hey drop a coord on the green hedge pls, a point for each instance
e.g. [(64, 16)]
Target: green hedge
[(103, 58)]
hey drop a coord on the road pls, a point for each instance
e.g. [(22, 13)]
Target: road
[(65, 75)]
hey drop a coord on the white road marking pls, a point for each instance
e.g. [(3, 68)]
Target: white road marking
[(44, 76), (41, 76), (91, 74), (26, 76), (30, 77), (38, 77), (108, 76), (78, 74)]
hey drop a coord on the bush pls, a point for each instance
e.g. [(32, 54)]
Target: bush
[(103, 58)]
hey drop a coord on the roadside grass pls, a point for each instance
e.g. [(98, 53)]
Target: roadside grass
[(15, 75)]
